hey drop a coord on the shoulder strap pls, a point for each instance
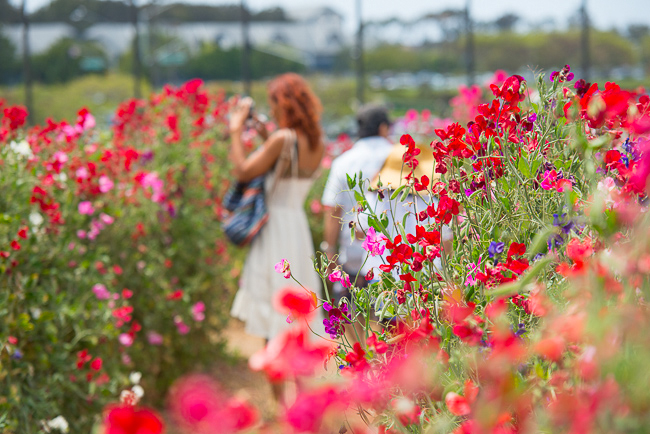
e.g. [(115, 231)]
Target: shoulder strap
[(286, 157), (294, 152)]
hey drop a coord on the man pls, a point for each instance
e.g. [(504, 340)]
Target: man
[(367, 157)]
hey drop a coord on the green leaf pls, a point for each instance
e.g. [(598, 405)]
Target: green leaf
[(352, 182), (523, 167)]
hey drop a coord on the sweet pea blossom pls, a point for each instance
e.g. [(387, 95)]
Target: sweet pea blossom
[(58, 423), (495, 248), (198, 311), (105, 184), (338, 276), (283, 268), (374, 243), (154, 338), (86, 208), (101, 292), (125, 339)]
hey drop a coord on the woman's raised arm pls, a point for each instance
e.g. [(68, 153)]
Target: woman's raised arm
[(259, 162)]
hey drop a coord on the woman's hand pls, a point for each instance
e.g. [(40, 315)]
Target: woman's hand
[(240, 114), (260, 126)]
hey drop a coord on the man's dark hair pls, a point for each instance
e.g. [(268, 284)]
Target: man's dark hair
[(369, 118)]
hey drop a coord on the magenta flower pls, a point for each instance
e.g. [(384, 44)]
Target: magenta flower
[(550, 180), (374, 243), (283, 268), (105, 184), (86, 208), (101, 292), (154, 338), (105, 218), (198, 311), (182, 328), (125, 339), (339, 276)]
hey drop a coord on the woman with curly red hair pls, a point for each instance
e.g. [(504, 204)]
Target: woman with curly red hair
[(289, 158)]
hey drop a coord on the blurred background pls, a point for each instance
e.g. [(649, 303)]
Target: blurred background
[(65, 54)]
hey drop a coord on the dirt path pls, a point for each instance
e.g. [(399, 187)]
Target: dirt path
[(234, 374)]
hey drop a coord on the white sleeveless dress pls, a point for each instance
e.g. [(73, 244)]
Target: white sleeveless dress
[(286, 235)]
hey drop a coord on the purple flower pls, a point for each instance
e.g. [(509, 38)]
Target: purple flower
[(335, 322), (563, 223), (496, 248)]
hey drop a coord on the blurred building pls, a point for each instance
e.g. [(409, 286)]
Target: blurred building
[(312, 36)]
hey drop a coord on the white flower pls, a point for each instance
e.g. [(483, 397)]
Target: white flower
[(138, 391), (61, 177), (21, 148), (36, 219), (36, 312), (59, 423), (135, 377)]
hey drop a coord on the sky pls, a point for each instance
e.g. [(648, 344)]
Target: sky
[(605, 14)]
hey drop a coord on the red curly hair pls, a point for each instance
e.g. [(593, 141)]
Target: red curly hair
[(296, 106)]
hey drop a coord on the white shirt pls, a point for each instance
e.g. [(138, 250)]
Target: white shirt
[(366, 156)]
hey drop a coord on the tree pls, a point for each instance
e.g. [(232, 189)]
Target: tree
[(506, 23), (67, 59), (8, 13), (9, 65)]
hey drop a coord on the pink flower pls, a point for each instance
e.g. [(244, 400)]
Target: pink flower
[(81, 234), (338, 276), (86, 208), (154, 338), (82, 173), (315, 206), (197, 311), (105, 184), (550, 180), (374, 243), (282, 267), (125, 339), (60, 157), (199, 406), (105, 218), (101, 292), (182, 328)]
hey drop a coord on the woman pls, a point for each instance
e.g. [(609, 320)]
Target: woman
[(289, 157)]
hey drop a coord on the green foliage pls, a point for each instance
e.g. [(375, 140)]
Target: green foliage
[(9, 65), (100, 93), (65, 60), (215, 63), (441, 57)]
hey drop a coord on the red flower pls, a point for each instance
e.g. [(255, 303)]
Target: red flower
[(96, 364), (457, 404), (290, 354), (201, 407), (295, 301), (516, 249), (380, 346), (22, 233), (15, 245), (356, 358), (130, 420)]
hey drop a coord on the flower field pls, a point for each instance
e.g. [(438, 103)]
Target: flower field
[(534, 321), (111, 255)]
